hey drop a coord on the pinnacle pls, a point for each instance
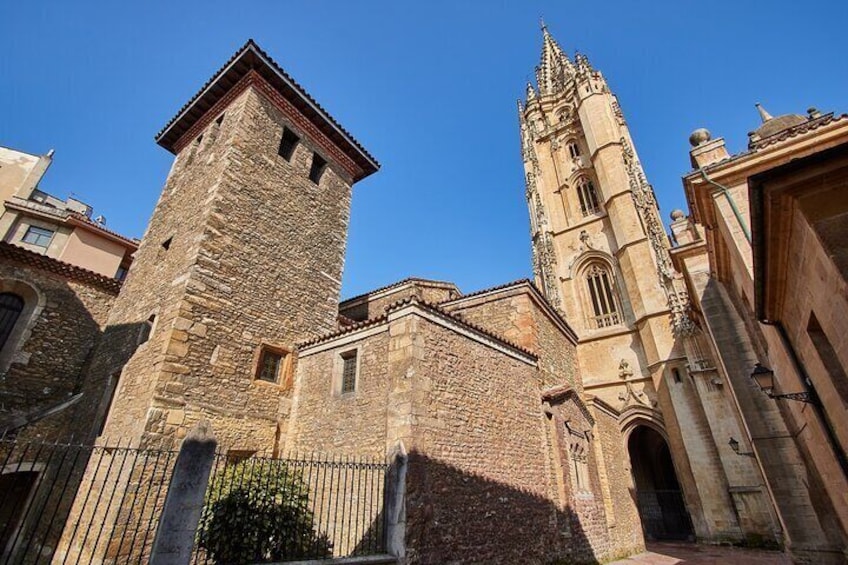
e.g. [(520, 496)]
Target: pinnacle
[(764, 115), (555, 67)]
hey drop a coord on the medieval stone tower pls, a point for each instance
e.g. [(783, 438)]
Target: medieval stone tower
[(601, 256), (242, 259)]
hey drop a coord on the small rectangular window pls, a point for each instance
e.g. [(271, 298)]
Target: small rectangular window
[(317, 169), (121, 274), (38, 236), (288, 144), (270, 363), (348, 372)]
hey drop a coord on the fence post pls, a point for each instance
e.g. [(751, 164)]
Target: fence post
[(395, 501), (181, 514)]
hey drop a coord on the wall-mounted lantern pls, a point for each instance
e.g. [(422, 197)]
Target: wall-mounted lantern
[(764, 377), (734, 445)]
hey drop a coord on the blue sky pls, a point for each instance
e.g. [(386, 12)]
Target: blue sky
[(428, 87)]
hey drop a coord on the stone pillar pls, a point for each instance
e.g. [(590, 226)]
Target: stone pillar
[(184, 503), (395, 502)]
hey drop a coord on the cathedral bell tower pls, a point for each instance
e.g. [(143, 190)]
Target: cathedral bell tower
[(601, 256)]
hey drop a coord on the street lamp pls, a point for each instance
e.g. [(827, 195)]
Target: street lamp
[(734, 445), (764, 377)]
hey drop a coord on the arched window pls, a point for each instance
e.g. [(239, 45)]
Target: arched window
[(603, 302), (588, 197), (573, 149), (11, 306)]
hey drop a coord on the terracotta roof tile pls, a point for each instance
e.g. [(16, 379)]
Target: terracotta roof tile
[(251, 46), (426, 305), (27, 257)]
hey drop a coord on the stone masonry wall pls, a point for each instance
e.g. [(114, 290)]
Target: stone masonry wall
[(256, 258), (516, 317), (350, 424), (157, 280), (268, 271), (624, 528), (49, 367), (477, 488)]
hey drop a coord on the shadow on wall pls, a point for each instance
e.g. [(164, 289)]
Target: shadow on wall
[(39, 481), (48, 391), (456, 516)]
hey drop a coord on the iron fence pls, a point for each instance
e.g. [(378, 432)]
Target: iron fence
[(70, 504), (299, 507)]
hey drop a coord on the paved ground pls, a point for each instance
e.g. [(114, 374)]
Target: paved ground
[(670, 553)]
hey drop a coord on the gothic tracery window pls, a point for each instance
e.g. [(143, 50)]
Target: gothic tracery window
[(573, 149), (588, 197), (603, 303)]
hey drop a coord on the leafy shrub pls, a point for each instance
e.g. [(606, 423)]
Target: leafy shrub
[(257, 510)]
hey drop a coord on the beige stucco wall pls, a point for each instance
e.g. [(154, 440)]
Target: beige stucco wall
[(19, 172), (93, 252)]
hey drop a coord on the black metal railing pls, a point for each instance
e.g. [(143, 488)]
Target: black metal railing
[(299, 507), (70, 504)]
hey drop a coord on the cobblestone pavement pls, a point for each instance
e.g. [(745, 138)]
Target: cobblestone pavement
[(691, 554)]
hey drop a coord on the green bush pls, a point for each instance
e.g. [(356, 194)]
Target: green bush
[(257, 510)]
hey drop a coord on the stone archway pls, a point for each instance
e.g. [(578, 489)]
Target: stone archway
[(658, 495)]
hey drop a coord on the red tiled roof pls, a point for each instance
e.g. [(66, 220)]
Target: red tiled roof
[(251, 57), (426, 305), (66, 270), (394, 285)]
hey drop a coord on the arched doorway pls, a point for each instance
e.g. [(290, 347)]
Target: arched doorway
[(658, 494)]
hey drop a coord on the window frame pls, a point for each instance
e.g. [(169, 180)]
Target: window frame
[(587, 197), (341, 359), (603, 306), (283, 365), (31, 228)]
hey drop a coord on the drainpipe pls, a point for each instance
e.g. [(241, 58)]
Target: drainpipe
[(724, 190)]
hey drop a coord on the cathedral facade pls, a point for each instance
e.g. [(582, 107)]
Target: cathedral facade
[(567, 418)]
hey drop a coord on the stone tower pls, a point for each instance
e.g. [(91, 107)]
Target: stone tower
[(242, 259), (601, 256)]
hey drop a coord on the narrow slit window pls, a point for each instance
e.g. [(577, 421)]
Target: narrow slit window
[(317, 169), (288, 144), (348, 372)]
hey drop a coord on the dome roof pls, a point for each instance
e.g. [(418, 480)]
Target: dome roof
[(778, 124), (772, 125)]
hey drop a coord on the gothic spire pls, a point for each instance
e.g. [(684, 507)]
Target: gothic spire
[(555, 68)]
